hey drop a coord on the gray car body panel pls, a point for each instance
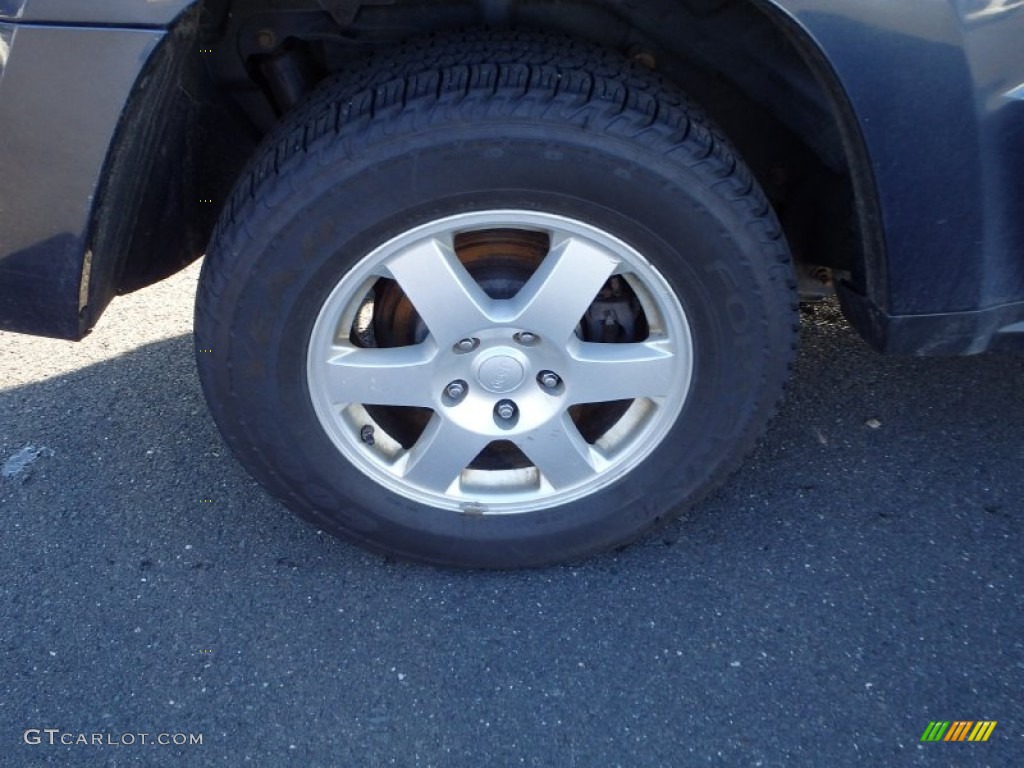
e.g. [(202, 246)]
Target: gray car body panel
[(931, 92), (117, 12), (53, 145), (937, 87)]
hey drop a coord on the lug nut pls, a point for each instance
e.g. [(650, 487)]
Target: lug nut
[(505, 409), (366, 434), (548, 379), (526, 338), (456, 390), (466, 345)]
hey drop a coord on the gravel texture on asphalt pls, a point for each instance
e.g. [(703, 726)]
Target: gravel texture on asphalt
[(857, 579)]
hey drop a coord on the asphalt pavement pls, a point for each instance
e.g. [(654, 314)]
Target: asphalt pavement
[(859, 578)]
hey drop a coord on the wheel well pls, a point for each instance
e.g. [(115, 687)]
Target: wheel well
[(237, 65)]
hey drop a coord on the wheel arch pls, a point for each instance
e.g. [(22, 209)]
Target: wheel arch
[(177, 149), (193, 152), (867, 266)]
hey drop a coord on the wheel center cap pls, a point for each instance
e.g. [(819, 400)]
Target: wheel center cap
[(500, 373)]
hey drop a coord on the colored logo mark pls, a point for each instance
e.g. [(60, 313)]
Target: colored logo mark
[(959, 730)]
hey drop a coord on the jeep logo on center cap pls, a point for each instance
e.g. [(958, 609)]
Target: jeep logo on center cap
[(501, 374)]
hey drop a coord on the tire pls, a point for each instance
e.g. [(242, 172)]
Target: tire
[(498, 300)]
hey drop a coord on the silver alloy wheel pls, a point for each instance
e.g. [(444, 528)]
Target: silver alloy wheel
[(499, 370)]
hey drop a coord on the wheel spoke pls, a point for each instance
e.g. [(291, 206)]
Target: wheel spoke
[(393, 376), (556, 297), (440, 454), (560, 453), (601, 373), (444, 294)]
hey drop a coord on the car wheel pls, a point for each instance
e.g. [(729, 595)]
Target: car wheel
[(501, 305)]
